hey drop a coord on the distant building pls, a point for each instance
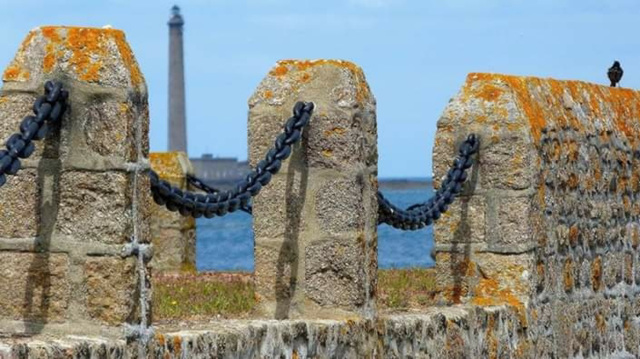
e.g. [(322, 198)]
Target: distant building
[(219, 172)]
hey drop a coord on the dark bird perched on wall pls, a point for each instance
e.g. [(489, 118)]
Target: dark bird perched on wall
[(615, 73)]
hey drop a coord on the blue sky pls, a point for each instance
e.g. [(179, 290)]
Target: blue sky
[(415, 54)]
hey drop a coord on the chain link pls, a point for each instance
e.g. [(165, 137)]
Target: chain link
[(48, 110), (424, 214), (199, 184), (223, 202)]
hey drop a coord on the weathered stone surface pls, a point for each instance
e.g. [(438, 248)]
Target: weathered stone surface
[(95, 206), (556, 167), (111, 289), (82, 194), (282, 204), (342, 132), (325, 193), (277, 272), (172, 234), (20, 198), (464, 222), (108, 117), (513, 232), (14, 107), (97, 56), (461, 332), (339, 206), (334, 274), (36, 286)]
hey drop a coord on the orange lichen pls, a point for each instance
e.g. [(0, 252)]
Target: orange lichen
[(279, 71), (568, 275), (268, 94), (362, 88), (596, 273), (14, 72), (89, 48), (574, 233), (127, 57), (489, 292), (51, 33), (601, 324), (553, 102), (160, 339), (11, 73), (177, 344), (167, 165), (489, 93), (86, 43), (335, 131)]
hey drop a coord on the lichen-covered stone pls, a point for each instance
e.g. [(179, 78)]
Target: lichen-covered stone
[(80, 196), (91, 55), (556, 167), (324, 193), (464, 222), (172, 234)]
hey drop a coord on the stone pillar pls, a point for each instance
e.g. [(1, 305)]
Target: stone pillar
[(315, 223), (173, 236), (83, 195), (485, 242)]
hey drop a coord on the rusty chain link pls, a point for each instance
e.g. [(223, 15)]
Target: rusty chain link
[(421, 215), (48, 110), (223, 202)]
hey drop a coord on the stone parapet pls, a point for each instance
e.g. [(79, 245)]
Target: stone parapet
[(438, 333), (82, 195), (173, 235)]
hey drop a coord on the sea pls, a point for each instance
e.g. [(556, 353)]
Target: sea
[(226, 243)]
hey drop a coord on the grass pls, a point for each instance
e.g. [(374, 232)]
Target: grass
[(231, 295), (406, 288), (202, 296)]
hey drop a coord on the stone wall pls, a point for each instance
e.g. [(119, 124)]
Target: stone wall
[(549, 220), (82, 195), (173, 236)]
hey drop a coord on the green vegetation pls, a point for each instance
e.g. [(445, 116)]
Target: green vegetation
[(201, 296), (406, 288)]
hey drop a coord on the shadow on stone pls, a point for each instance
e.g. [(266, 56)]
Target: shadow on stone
[(39, 272), (289, 254), (459, 261)]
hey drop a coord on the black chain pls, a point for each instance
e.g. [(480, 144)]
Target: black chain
[(424, 214), (223, 202), (48, 110), (199, 184)]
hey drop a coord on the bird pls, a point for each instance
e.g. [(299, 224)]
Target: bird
[(615, 73)]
